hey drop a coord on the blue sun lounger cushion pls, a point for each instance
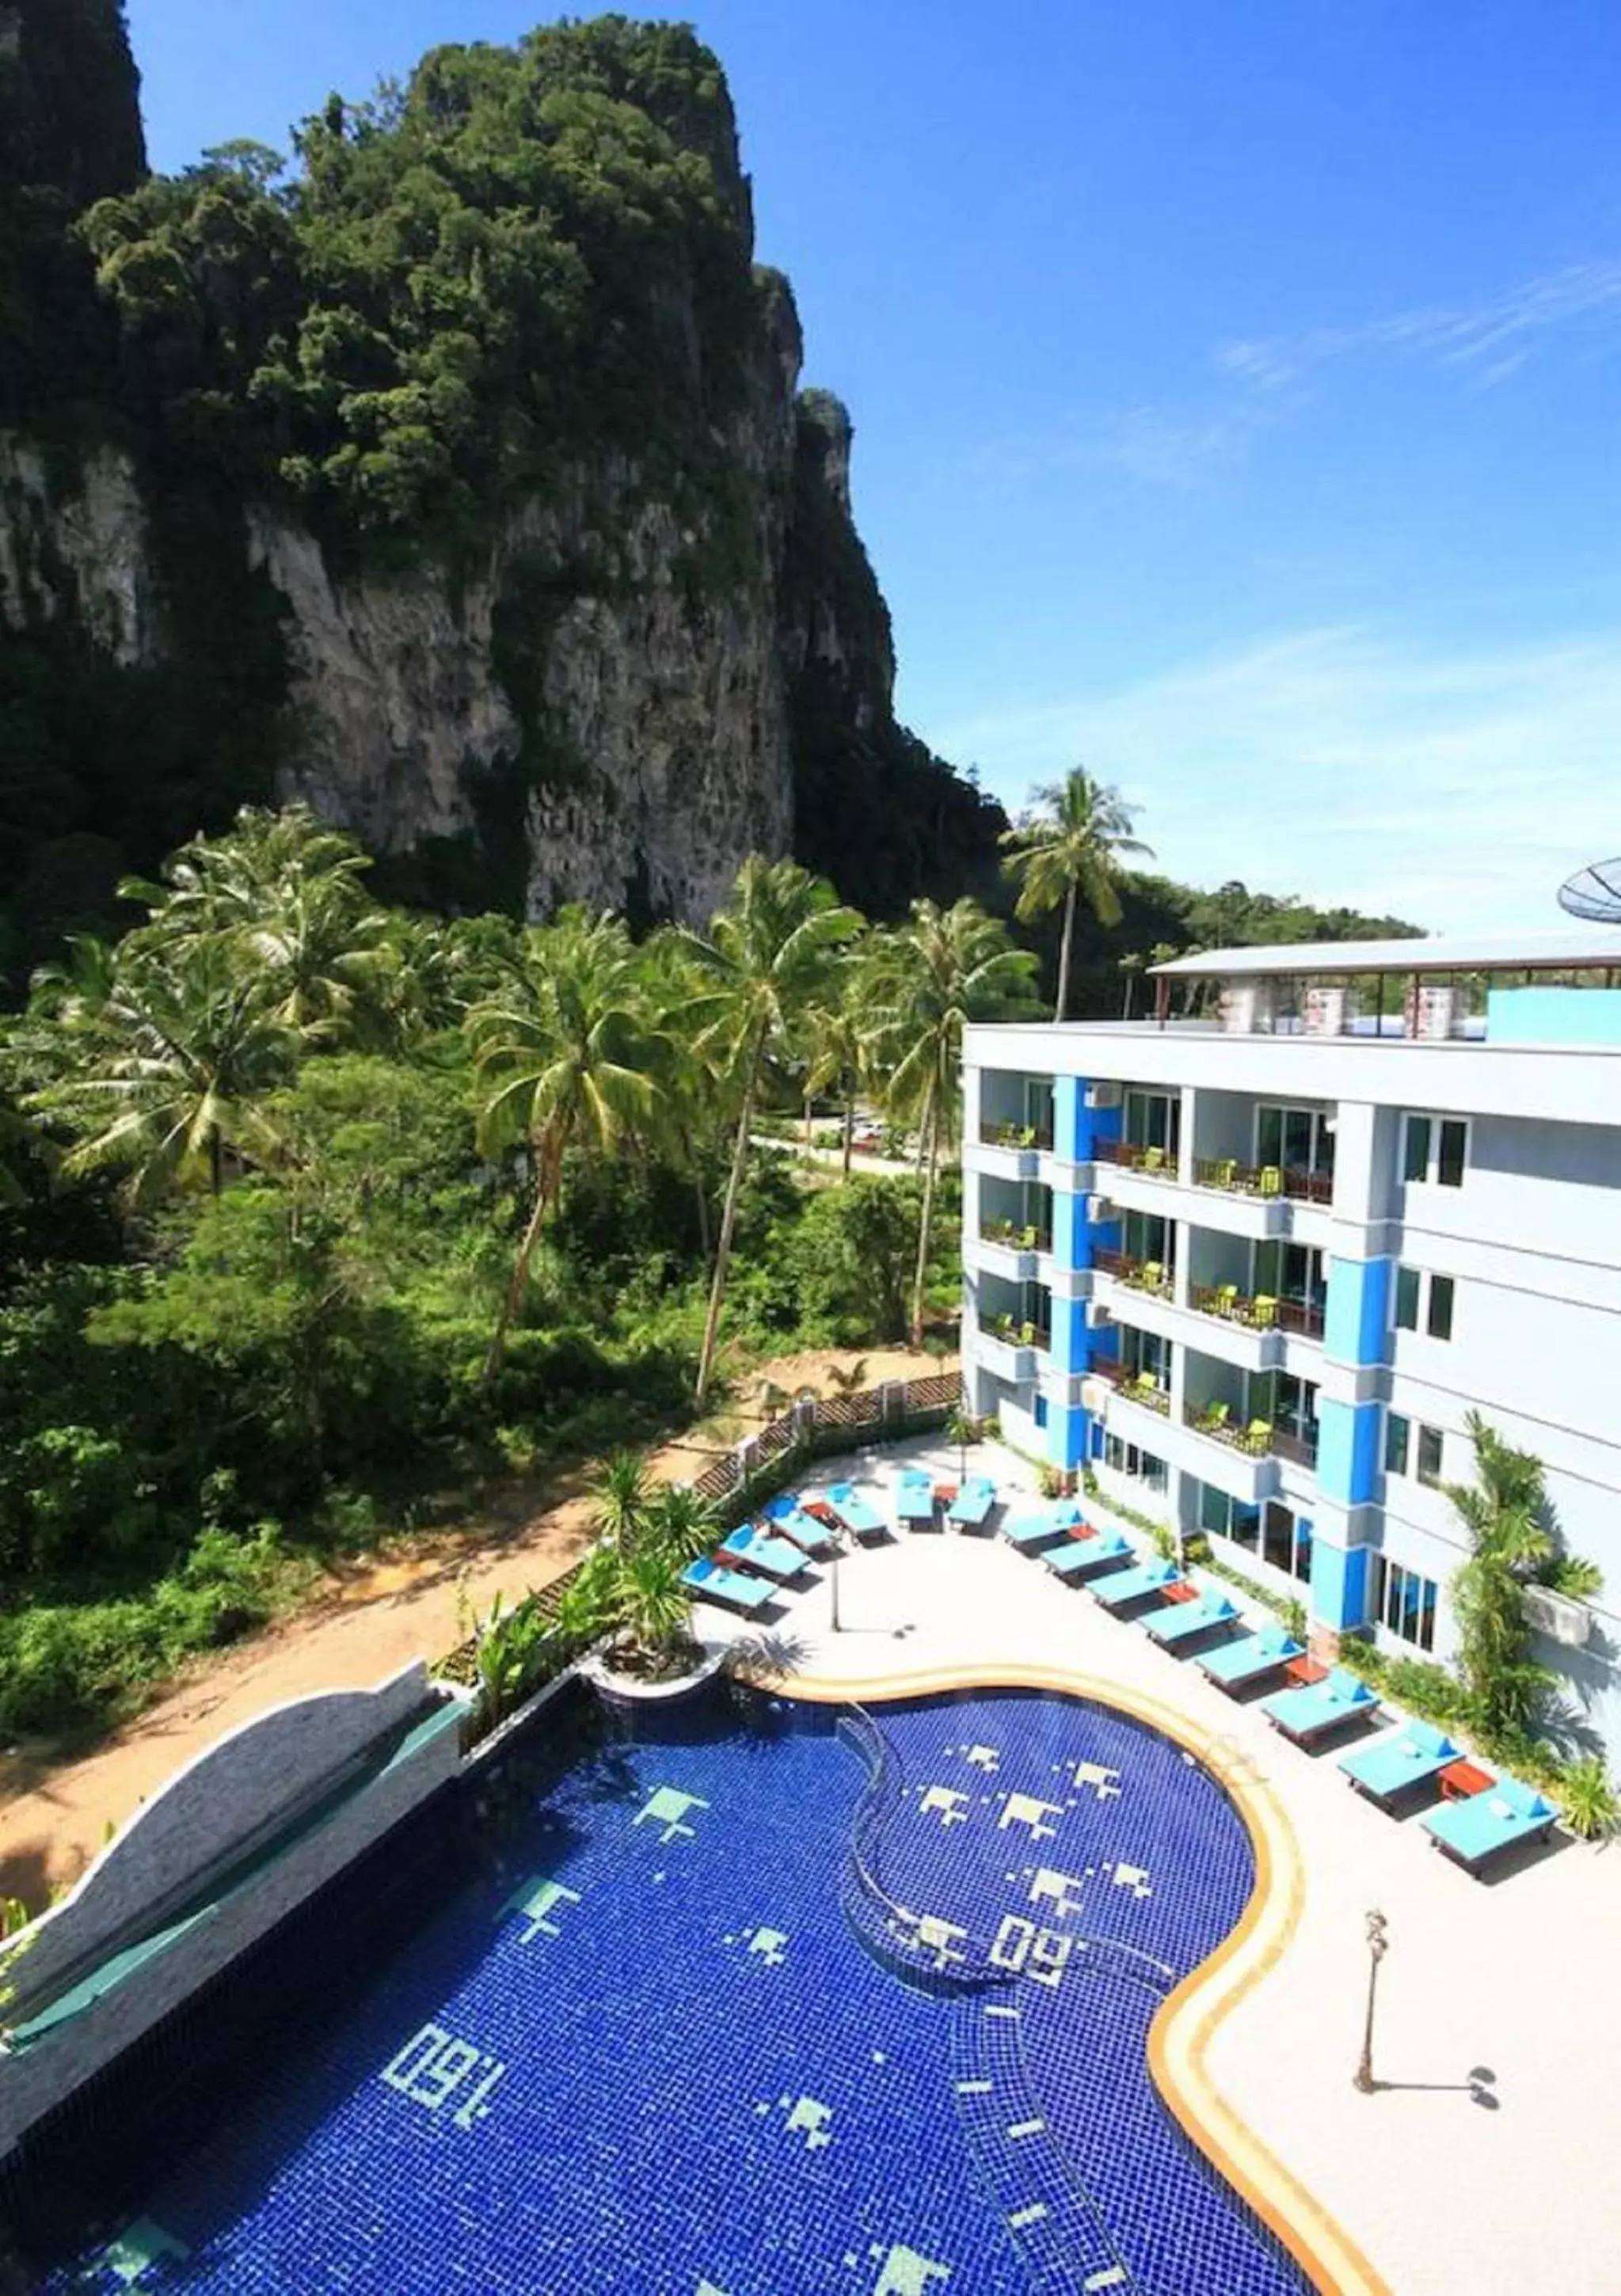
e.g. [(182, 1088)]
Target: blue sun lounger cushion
[(758, 1550), (1046, 1523), (712, 1582), (1073, 1558), (1394, 1764), (1250, 1657), (974, 1502), (810, 1535), (859, 1516), (1315, 1707), (1180, 1622), (915, 1495), (1477, 1829), (1119, 1587)]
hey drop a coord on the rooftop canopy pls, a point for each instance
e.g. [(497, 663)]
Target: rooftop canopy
[(1555, 952)]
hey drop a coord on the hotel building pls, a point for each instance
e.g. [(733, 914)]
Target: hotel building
[(1255, 1268)]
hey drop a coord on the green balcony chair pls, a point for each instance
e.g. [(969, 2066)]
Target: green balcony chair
[(1271, 1180), (1264, 1310), (1258, 1436), (1213, 1418), (1153, 1160)]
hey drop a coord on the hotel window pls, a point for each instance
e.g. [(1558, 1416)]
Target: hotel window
[(1424, 1302), (1230, 1517), (1040, 1411), (1299, 1139), (1126, 1459), (1404, 1601), (1435, 1148), (1286, 1544), (1430, 1455), (1397, 1433)]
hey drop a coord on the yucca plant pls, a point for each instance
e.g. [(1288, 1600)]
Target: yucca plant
[(1587, 1797)]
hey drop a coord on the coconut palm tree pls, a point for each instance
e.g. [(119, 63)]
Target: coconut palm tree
[(168, 1069), (1073, 849), (767, 955), (837, 1038), (285, 892), (565, 1054), (1505, 1515), (935, 974)]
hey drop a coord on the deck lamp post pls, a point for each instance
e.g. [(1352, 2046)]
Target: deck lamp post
[(1378, 1945), (833, 1575)]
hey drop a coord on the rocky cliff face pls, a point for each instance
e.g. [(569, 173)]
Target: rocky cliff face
[(603, 663)]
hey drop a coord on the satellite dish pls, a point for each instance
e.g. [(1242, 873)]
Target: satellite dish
[(1595, 893)]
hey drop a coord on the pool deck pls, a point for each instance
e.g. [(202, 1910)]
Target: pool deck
[(1484, 2159)]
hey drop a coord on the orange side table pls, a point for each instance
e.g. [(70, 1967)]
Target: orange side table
[(1305, 1670), (1460, 1781)]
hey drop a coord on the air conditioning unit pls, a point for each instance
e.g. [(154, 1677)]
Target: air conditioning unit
[(1098, 1316), (1103, 1093), (1100, 1212), (1561, 1617)]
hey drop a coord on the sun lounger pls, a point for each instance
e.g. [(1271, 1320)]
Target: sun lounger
[(1251, 1659), (712, 1582), (807, 1531), (1311, 1711), (915, 1496), (759, 1550), (860, 1517), (1476, 1829), (1030, 1531), (1119, 1587), (973, 1502), (1072, 1559), (1183, 1622), (1394, 1765)]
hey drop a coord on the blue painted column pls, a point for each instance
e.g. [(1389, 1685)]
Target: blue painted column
[(1355, 1332), (1076, 1127)]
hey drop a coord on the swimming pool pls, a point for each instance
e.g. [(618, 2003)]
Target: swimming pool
[(634, 2043)]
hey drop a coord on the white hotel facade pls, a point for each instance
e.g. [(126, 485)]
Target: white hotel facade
[(1255, 1270)]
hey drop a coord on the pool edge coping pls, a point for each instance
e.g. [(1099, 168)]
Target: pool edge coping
[(1183, 2027)]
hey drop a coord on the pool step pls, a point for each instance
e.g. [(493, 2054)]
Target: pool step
[(1059, 2231)]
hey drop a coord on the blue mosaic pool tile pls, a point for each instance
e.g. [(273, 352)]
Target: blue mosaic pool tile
[(638, 2048)]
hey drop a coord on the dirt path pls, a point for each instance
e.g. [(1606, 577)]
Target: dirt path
[(367, 1622)]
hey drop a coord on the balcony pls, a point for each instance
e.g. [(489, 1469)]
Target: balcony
[(1257, 1438), (1011, 1237), (993, 1134), (1150, 1275), (1304, 1319), (1266, 1181), (1153, 1163), (1010, 1349), (1139, 1387)]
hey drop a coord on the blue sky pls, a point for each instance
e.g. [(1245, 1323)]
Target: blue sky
[(1235, 390)]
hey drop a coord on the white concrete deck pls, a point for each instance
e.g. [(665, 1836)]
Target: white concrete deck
[(1486, 2160)]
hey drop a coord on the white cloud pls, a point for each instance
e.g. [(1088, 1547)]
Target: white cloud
[(1492, 339), (1456, 789)]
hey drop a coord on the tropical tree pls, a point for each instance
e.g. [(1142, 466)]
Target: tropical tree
[(286, 893), (1505, 1513), (767, 955), (1072, 849), (836, 1044), (943, 969), (565, 1054), (168, 1069)]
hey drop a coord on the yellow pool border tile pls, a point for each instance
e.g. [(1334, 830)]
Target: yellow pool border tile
[(1179, 2037)]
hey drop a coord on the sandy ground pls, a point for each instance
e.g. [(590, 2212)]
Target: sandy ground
[(367, 1621)]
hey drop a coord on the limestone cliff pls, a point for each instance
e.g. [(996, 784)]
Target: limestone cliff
[(591, 629)]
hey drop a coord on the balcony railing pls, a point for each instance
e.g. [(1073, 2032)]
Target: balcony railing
[(1260, 1312), (1256, 1438), (1155, 1163), (1015, 1335), (1135, 1386), (1236, 1179), (1142, 1274), (1301, 1448), (994, 1135), (1015, 1238)]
